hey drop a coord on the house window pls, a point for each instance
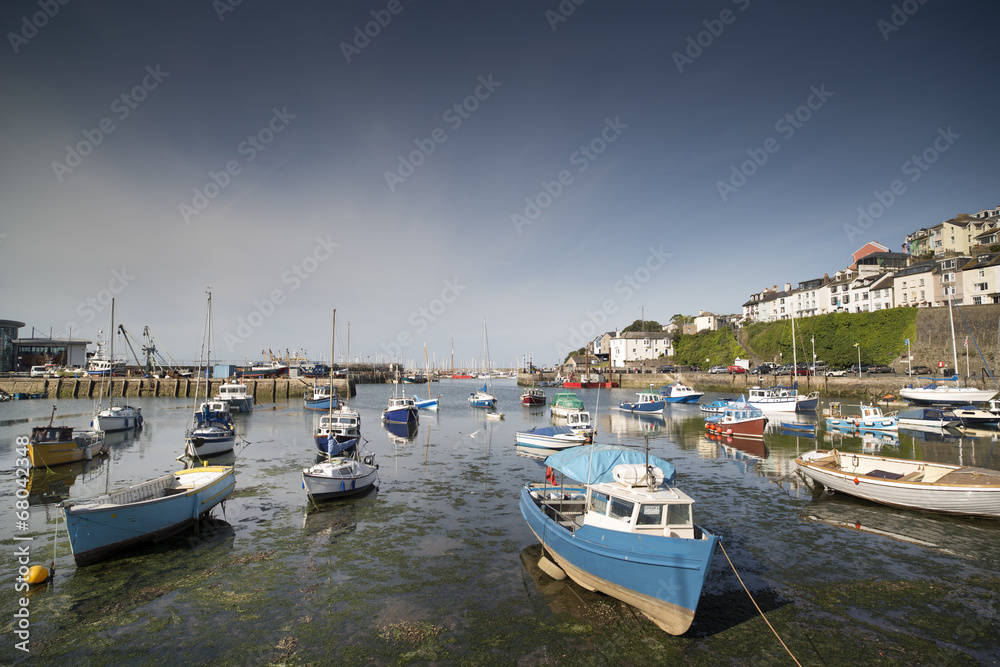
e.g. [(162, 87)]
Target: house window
[(977, 300), (981, 287), (982, 273), (904, 297), (921, 282), (847, 298)]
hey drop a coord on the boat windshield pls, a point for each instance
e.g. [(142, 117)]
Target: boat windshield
[(679, 515), (650, 515), (621, 509), (598, 503)]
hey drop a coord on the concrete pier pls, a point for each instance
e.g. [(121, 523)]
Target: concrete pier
[(265, 390)]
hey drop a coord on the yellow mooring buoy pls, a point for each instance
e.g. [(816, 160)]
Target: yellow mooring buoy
[(37, 574)]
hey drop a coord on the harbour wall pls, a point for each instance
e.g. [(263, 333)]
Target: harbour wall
[(263, 390)]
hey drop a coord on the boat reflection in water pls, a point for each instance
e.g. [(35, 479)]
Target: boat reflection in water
[(624, 423), (400, 432), (336, 517), (745, 451), (223, 459), (52, 485), (970, 538), (561, 596)]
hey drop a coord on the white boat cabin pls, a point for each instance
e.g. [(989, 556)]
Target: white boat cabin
[(579, 421), (232, 391), (397, 402), (629, 506)]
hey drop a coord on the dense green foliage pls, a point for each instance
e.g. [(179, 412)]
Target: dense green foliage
[(643, 325), (718, 347), (575, 353), (881, 334)]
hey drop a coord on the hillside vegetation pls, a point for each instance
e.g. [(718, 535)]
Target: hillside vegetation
[(881, 334), (718, 347)]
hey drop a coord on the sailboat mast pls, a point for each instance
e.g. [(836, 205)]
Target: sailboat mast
[(333, 336), (795, 359)]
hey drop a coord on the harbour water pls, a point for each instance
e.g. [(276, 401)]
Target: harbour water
[(438, 566)]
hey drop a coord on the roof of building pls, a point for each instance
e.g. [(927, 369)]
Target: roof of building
[(51, 341), (645, 334), (11, 323)]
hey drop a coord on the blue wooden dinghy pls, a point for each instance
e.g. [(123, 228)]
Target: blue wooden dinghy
[(626, 531), (102, 526)]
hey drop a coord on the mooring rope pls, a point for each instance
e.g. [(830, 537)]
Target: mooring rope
[(758, 606)]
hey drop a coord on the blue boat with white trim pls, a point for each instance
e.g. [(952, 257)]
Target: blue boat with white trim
[(648, 403), (626, 531), (102, 526)]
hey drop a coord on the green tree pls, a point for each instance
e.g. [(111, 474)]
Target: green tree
[(643, 325)]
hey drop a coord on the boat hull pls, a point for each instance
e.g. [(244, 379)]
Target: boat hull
[(407, 415), (97, 531), (80, 448), (753, 428), (200, 444), (239, 404), (338, 479), (660, 576), (428, 404), (117, 420), (320, 404), (530, 440), (652, 408), (946, 395), (852, 476)]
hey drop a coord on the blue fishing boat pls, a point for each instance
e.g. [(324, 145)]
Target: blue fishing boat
[(401, 410), (648, 403), (676, 392), (322, 397), (625, 531), (799, 427), (101, 526)]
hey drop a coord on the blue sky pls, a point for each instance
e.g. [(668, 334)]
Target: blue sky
[(558, 169)]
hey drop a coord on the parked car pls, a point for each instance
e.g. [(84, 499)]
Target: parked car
[(736, 370), (714, 370), (820, 366), (875, 368), (666, 369), (864, 368), (765, 368), (921, 370), (839, 373), (803, 369), (784, 369)]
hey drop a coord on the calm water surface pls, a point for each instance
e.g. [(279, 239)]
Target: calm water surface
[(437, 565)]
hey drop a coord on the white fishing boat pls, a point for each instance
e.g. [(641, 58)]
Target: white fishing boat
[(782, 399), (550, 438), (99, 527), (580, 422), (484, 397), (236, 395), (116, 417), (907, 483), (213, 430), (340, 476)]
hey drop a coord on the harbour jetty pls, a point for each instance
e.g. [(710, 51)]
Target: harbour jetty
[(263, 390)]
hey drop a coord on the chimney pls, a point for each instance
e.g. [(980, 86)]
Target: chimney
[(788, 287)]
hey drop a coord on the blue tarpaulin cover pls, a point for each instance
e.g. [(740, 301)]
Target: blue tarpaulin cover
[(593, 464)]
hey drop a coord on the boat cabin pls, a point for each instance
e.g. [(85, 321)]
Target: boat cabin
[(340, 423), (232, 391), (633, 508), (579, 421), (396, 402), (41, 434)]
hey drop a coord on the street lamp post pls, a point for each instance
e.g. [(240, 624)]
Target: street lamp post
[(858, 345), (814, 354), (909, 359)]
